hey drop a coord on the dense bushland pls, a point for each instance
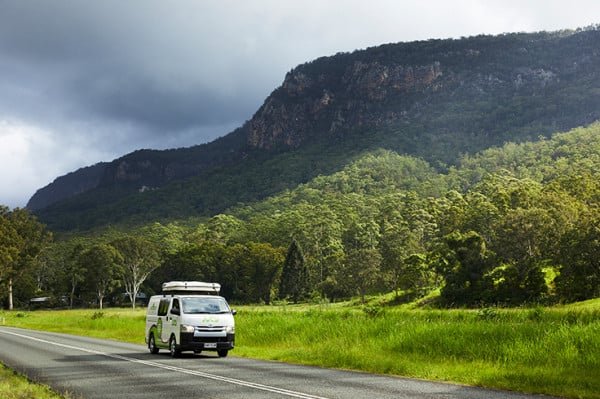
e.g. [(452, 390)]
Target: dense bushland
[(512, 225)]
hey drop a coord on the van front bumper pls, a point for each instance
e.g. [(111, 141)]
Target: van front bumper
[(211, 343)]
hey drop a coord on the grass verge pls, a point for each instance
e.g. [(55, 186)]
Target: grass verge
[(16, 386), (554, 351)]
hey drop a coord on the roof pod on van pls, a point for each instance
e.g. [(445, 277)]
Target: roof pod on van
[(191, 287)]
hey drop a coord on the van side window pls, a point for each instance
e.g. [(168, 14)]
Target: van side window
[(163, 307), (175, 304)]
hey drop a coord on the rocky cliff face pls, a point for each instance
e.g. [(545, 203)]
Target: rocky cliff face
[(413, 82), (329, 103)]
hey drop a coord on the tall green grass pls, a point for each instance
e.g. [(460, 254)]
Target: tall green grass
[(117, 324), (553, 351), (16, 386), (543, 351)]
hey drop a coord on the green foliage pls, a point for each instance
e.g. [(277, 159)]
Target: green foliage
[(22, 240), (248, 273), (579, 277), (464, 268), (97, 315), (104, 266), (487, 232), (372, 311), (16, 386), (137, 257), (294, 276)]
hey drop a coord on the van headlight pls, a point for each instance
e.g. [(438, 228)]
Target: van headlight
[(230, 329), (184, 328)]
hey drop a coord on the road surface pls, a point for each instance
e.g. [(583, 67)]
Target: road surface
[(92, 368)]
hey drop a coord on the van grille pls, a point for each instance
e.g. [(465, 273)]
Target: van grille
[(210, 329)]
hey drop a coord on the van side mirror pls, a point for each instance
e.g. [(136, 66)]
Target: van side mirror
[(175, 311), (233, 312)]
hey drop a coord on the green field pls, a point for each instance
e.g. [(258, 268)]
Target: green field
[(554, 351)]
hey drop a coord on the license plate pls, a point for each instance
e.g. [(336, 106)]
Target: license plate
[(210, 345)]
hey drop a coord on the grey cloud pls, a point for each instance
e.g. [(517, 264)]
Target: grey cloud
[(124, 62), (129, 98)]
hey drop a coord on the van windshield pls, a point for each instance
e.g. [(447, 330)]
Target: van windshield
[(205, 305)]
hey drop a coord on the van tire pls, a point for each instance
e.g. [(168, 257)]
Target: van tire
[(152, 344), (173, 347), (222, 352)]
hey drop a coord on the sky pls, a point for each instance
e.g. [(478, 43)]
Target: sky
[(83, 82)]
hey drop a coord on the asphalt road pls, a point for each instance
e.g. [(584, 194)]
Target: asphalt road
[(91, 368)]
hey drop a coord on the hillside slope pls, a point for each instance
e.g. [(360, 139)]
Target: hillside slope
[(435, 99)]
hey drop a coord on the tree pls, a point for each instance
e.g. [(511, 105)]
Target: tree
[(103, 264), (579, 277), (417, 276), (294, 276), (398, 245), (191, 262), (169, 238), (318, 231), (74, 271), (362, 268), (9, 252), (224, 229), (140, 258), (523, 238), (464, 269), (258, 266), (23, 239)]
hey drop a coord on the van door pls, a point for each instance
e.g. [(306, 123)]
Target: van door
[(172, 321), (162, 329)]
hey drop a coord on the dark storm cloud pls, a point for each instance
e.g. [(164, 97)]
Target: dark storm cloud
[(147, 64), (157, 107)]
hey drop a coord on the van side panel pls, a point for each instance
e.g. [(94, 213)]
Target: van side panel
[(152, 315)]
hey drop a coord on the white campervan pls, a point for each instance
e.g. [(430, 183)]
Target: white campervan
[(190, 316)]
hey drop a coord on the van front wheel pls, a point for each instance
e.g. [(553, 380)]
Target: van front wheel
[(173, 347), (152, 344), (222, 352)]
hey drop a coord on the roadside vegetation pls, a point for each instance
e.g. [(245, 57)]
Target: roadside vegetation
[(545, 350), (16, 386)]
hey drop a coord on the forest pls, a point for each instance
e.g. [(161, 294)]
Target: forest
[(513, 225)]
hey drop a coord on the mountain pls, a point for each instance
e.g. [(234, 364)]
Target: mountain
[(66, 186), (435, 99)]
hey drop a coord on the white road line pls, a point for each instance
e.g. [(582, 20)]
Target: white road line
[(282, 391)]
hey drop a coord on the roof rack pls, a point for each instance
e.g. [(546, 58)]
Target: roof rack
[(191, 287)]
